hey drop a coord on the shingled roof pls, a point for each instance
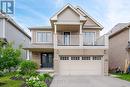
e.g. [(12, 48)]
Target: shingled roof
[(118, 28)]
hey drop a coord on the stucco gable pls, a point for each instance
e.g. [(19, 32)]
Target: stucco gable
[(90, 23), (68, 15), (55, 17)]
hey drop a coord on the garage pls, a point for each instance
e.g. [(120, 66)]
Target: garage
[(81, 65)]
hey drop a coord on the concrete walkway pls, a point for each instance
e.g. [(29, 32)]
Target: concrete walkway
[(88, 81)]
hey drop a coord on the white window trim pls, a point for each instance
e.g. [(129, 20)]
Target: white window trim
[(43, 32), (91, 32)]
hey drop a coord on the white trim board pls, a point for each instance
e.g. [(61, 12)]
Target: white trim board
[(3, 25), (81, 47)]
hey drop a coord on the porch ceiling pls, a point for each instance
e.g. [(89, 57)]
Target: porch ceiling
[(68, 27)]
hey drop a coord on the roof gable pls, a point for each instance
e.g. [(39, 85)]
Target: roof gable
[(90, 19), (90, 24), (71, 7), (68, 15)]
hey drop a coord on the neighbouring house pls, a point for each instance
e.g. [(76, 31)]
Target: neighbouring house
[(119, 49), (71, 45), (10, 31)]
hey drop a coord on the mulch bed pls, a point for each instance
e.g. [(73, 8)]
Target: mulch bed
[(24, 85), (17, 78), (1, 84)]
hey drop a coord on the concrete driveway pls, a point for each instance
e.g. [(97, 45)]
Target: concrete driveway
[(88, 81)]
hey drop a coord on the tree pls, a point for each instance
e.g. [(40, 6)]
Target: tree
[(9, 56)]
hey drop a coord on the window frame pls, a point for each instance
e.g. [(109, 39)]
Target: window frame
[(42, 38), (85, 37)]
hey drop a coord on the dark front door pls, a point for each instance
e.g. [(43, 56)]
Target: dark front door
[(47, 60)]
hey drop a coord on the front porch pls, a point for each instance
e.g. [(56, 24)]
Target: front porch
[(43, 57)]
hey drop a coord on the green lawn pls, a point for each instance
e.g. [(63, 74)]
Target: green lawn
[(7, 82), (123, 76)]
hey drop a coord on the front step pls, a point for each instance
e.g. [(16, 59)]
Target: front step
[(44, 70)]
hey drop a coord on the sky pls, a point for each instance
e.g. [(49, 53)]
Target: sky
[(29, 13)]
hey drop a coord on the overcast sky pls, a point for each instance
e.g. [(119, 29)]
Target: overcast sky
[(30, 13)]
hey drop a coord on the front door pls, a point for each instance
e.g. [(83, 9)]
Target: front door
[(66, 38), (47, 60)]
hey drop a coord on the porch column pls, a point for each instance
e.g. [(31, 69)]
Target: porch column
[(55, 36), (55, 28), (81, 36), (28, 54), (106, 41)]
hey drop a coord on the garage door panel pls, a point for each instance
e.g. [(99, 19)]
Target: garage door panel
[(83, 72), (81, 67)]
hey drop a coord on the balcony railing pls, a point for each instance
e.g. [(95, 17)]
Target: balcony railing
[(70, 40), (98, 42), (74, 40)]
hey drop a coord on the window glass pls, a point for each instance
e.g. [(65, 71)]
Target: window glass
[(89, 38), (39, 37), (49, 37), (44, 37)]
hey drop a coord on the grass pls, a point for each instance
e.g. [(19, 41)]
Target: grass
[(5, 81), (123, 76)]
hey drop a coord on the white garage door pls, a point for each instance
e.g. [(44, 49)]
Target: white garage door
[(80, 65)]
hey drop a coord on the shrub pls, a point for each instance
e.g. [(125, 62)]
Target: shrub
[(1, 73), (41, 77), (27, 67), (35, 82), (47, 75), (41, 80), (46, 78), (9, 56)]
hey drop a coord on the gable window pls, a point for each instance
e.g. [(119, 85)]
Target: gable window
[(45, 37), (89, 38)]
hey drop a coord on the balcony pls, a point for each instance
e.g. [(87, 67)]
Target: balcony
[(80, 40), (71, 40)]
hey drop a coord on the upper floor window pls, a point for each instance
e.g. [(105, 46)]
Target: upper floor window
[(89, 38), (45, 37)]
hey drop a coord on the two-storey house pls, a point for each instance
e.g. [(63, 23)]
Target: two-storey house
[(71, 45)]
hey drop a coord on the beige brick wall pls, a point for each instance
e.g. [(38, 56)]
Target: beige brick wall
[(36, 57), (117, 49)]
